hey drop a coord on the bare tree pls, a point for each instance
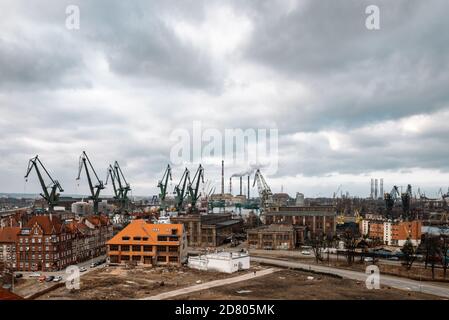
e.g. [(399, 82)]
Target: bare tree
[(444, 253), (350, 244), (409, 252), (318, 244)]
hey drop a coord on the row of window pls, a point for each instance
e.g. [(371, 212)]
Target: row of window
[(114, 258), (139, 248)]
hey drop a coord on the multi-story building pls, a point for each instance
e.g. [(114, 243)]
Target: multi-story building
[(393, 233), (151, 244), (44, 244), (317, 219), (209, 230), (8, 240)]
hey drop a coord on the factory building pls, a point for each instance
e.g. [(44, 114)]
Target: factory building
[(317, 219), (276, 237), (149, 244), (209, 230)]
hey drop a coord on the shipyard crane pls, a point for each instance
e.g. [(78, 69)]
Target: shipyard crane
[(163, 184), (180, 189), (51, 197), (84, 161), (390, 199), (123, 185), (406, 200), (265, 194), (194, 187), (111, 173), (336, 192)]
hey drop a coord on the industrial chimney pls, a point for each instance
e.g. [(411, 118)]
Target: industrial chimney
[(248, 187), (381, 193), (376, 184), (230, 185), (372, 189)]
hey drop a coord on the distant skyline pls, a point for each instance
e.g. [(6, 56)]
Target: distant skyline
[(350, 104)]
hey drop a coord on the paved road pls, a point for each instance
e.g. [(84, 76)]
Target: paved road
[(211, 284), (395, 282)]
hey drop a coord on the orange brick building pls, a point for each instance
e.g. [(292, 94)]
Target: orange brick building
[(393, 232), (150, 244)]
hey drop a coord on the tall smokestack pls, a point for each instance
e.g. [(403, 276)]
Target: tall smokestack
[(230, 185), (241, 182), (381, 193), (222, 178), (248, 187), (372, 189), (376, 184)]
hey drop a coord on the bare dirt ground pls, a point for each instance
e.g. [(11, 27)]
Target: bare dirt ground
[(295, 285), (117, 283)]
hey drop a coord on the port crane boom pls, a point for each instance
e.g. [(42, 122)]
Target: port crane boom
[(194, 193), (163, 184), (180, 189), (265, 194), (95, 190), (51, 197)]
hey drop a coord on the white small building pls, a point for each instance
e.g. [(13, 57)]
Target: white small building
[(227, 262)]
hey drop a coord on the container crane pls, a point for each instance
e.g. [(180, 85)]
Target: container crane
[(180, 189), (163, 184), (94, 189), (194, 187), (51, 197), (265, 194)]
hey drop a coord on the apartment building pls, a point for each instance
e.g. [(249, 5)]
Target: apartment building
[(8, 240), (150, 244), (393, 233), (44, 244)]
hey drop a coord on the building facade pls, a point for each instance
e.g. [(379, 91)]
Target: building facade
[(8, 240), (393, 233), (144, 243), (317, 219), (209, 230), (275, 237)]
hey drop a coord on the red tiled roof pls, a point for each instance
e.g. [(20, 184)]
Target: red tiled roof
[(46, 223), (9, 234)]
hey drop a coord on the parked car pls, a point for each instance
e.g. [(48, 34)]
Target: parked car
[(42, 278), (34, 275), (394, 258), (18, 275), (93, 264), (306, 252), (49, 279), (368, 259), (83, 269), (57, 279)]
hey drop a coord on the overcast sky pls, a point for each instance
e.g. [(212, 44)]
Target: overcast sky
[(349, 103)]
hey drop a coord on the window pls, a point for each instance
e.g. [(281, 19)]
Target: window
[(173, 259), (125, 248), (173, 249), (136, 258), (145, 238), (136, 248), (113, 247), (161, 259), (161, 249), (147, 248), (137, 238), (125, 258), (125, 238)]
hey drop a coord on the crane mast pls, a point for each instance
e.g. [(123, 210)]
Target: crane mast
[(51, 197), (265, 194), (180, 189), (95, 190), (163, 184), (194, 191)]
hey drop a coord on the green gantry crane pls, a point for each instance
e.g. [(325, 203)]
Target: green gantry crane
[(94, 189), (120, 185), (194, 187), (180, 189), (162, 185), (51, 197)]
